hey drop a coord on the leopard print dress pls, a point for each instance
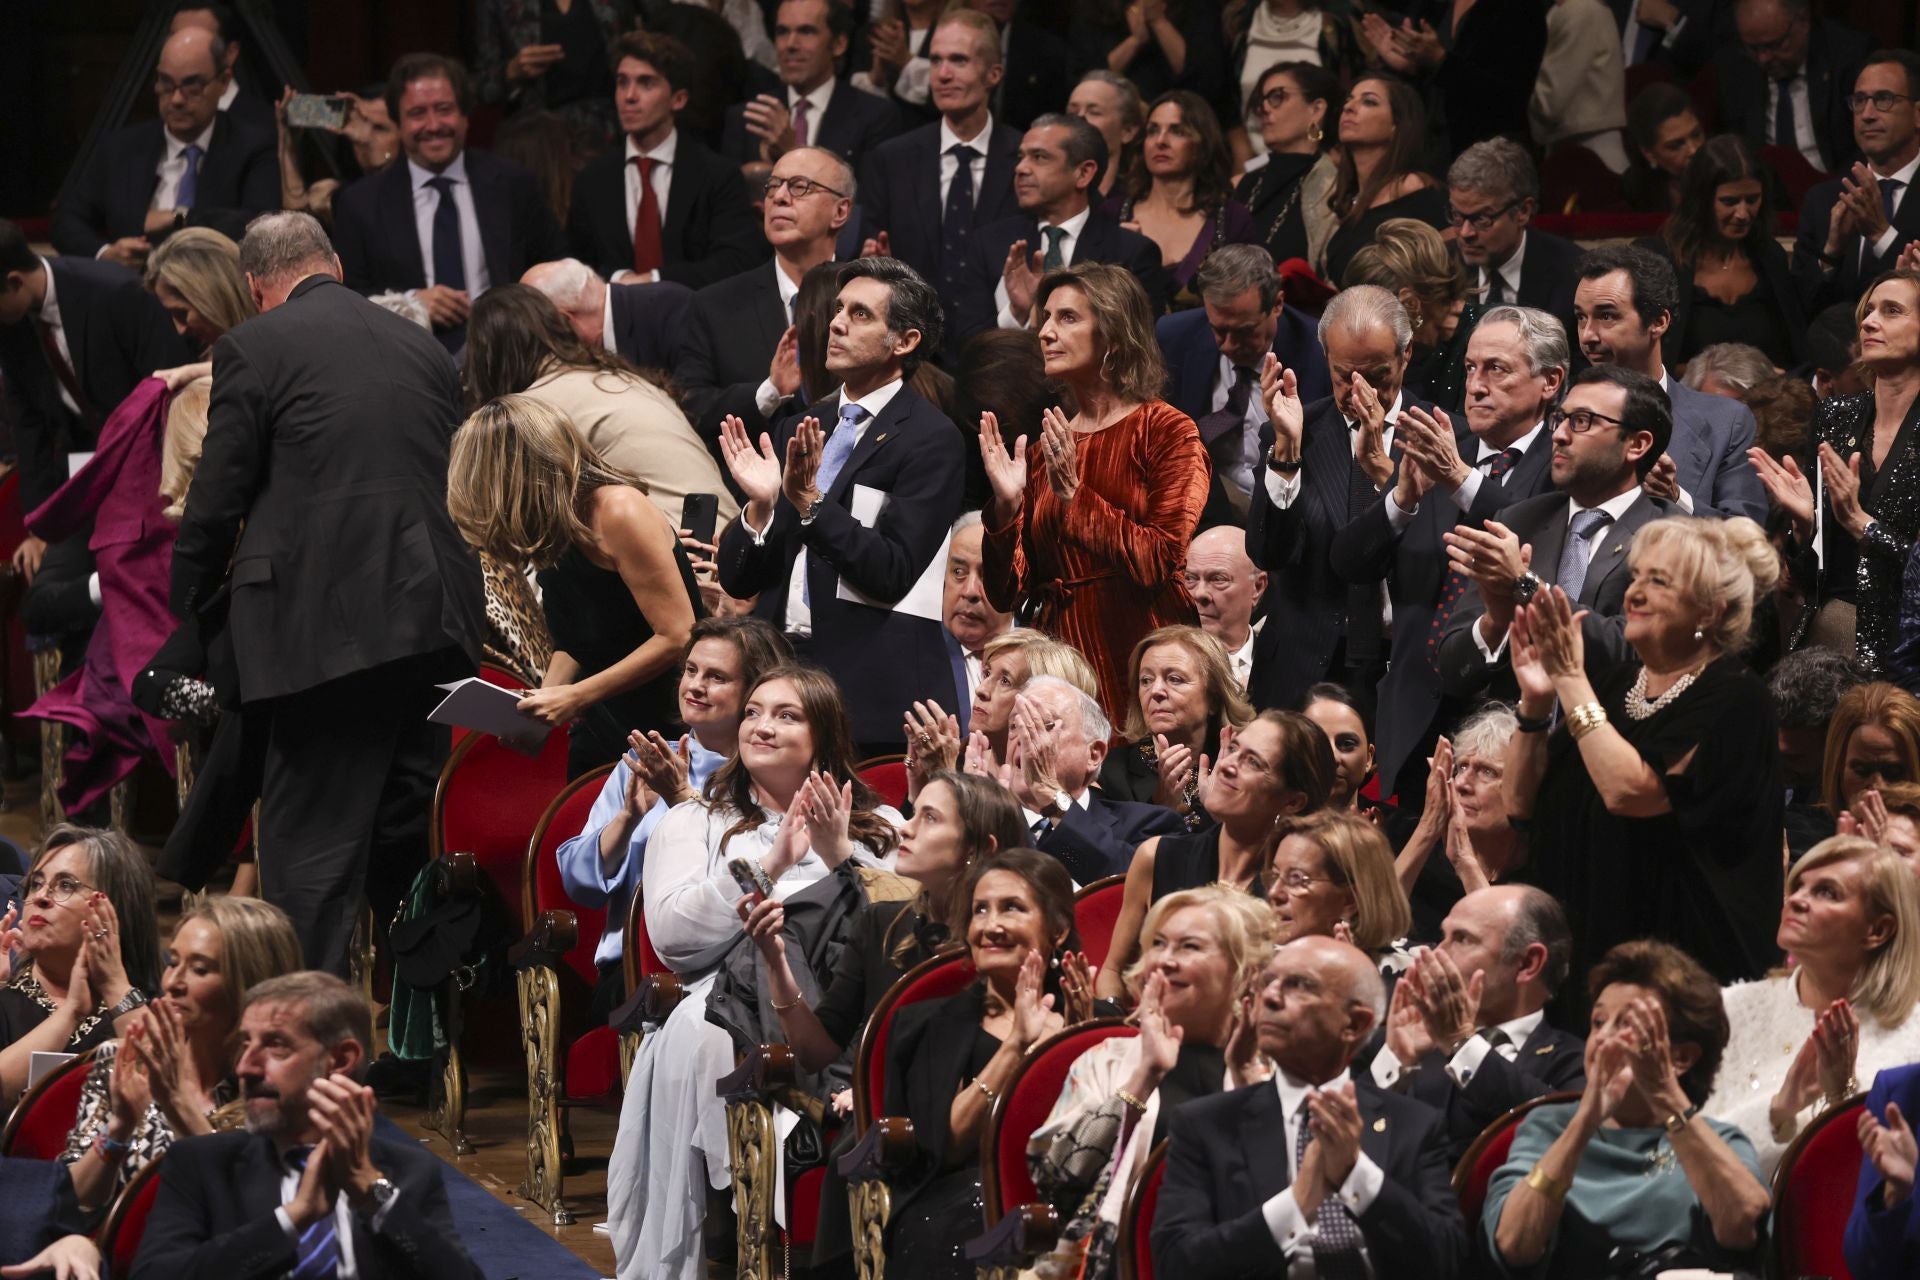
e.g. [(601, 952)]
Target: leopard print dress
[(517, 636)]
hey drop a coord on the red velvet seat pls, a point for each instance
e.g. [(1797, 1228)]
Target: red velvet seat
[(1573, 180), (119, 1235), (44, 1116), (1136, 1220), (887, 775), (1796, 173), (1489, 1152), (1096, 909), (1813, 1195)]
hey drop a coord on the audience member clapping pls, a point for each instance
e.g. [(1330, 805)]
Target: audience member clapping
[(1464, 820), (1007, 662), (1880, 1242), (1331, 876), (1873, 741), (1184, 706)]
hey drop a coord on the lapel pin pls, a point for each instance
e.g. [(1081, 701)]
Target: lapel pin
[(1543, 1050), (881, 438), (1380, 1125)]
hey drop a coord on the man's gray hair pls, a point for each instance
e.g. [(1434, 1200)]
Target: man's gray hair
[(1084, 142), (912, 304), (1360, 307), (1732, 364), (1093, 721), (1232, 269), (1499, 168), (844, 182), (1542, 335), (1807, 684), (967, 520), (333, 1011), (278, 244), (566, 282)]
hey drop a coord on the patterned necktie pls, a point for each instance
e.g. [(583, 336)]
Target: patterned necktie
[(1056, 260), (318, 1253), (1496, 289), (647, 253), (957, 223), (449, 259), (832, 460), (1455, 585), (1336, 1245), (61, 369), (189, 188), (800, 109), (1783, 131), (1572, 574)]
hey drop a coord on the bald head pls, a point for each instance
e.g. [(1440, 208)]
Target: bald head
[(1516, 937), (1319, 1001), (1774, 33), (1225, 586), (188, 81)]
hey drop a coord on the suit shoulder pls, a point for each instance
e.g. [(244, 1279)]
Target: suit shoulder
[(208, 1150), (1181, 328), (733, 290), (360, 196), (911, 143), (95, 273), (1533, 511), (1398, 1108), (1219, 1112)]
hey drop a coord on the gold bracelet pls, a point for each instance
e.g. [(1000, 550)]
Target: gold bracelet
[(1847, 1091), (1547, 1185), (981, 1085), (1585, 718), (1138, 1106), (782, 1008)]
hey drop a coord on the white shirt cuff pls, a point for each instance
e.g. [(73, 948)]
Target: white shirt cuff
[(1885, 242), (1673, 32), (766, 398), (1398, 517), (1282, 490), (1686, 502), (1289, 1227), (1462, 1066), (93, 587), (1492, 655), (759, 535), (1469, 489), (1386, 1068), (285, 1220), (1006, 319), (1362, 1186)]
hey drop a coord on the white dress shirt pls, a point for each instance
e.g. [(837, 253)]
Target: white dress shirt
[(607, 341), (1616, 507), (342, 1218), (426, 200), (1470, 487), (1066, 802), (1069, 243), (1803, 137), (950, 165), (231, 92), (767, 397), (1509, 272), (1241, 659), (1462, 1066), (1290, 1228), (1284, 489), (662, 179), (50, 317), (1905, 176), (975, 665), (816, 108), (173, 166)]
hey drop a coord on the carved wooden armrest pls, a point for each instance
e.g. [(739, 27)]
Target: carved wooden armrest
[(764, 1070), (459, 873), (1017, 1239), (887, 1149), (547, 943)]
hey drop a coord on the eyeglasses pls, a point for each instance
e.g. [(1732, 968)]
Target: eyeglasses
[(1579, 421), (1776, 45), (1298, 883), (61, 889), (1484, 219), (1882, 100), (799, 188), (192, 86), (1272, 100)]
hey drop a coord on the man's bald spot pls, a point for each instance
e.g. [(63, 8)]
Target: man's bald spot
[(189, 51)]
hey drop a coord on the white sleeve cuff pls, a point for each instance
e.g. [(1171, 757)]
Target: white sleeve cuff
[(1289, 1227), (285, 1220), (1469, 489), (1673, 32), (1885, 242), (1462, 1066), (1282, 490), (765, 398), (759, 535), (1398, 517), (93, 587), (1492, 655), (1386, 1068), (1362, 1186), (1686, 502)]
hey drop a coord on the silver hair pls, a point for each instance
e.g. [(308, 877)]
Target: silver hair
[(1093, 721), (1543, 336), (1485, 733), (1360, 307), (1232, 269), (1498, 167), (844, 182), (1733, 364), (967, 520), (566, 282), (278, 244), (404, 305)]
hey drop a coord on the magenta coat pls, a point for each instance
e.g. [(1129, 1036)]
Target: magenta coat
[(132, 544)]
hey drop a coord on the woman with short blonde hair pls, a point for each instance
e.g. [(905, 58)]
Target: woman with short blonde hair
[(195, 273), (1334, 867)]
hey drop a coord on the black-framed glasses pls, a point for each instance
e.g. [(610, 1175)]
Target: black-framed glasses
[(60, 889), (1882, 100), (799, 188), (1272, 100), (192, 86), (1483, 220), (1580, 421)]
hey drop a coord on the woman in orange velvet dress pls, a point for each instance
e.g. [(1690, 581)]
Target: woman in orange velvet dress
[(1089, 535)]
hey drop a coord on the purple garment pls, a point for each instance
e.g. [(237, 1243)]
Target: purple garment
[(132, 544), (1230, 224)]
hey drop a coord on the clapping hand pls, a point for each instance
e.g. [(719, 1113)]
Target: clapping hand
[(790, 840), (666, 766), (1860, 197), (756, 471), (1842, 476), (1493, 557), (1650, 1056), (1407, 1036), (1429, 455), (341, 1111), (1006, 472), (767, 119), (1370, 449), (804, 451), (826, 810), (1448, 1004), (980, 762), (1610, 1078), (1663, 479), (1173, 761), (1869, 817), (1891, 1150), (1555, 631), (783, 370), (1529, 668), (1160, 1039), (1280, 393), (1021, 275), (1787, 487), (106, 970), (933, 743), (11, 941), (1836, 1042), (1335, 1115), (1033, 1015), (1062, 457), (1076, 988), (1461, 854), (159, 1045)]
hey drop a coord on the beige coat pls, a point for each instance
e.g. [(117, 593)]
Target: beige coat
[(1582, 85)]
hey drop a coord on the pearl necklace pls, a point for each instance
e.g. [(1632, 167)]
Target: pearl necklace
[(1638, 706)]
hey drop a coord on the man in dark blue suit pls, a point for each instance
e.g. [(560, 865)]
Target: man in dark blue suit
[(842, 532), (968, 618), (1213, 360), (1883, 1233), (1313, 1166), (1785, 80), (815, 108), (1061, 158), (1853, 227), (1492, 189), (641, 323)]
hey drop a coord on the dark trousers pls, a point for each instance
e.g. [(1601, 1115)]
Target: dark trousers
[(346, 794)]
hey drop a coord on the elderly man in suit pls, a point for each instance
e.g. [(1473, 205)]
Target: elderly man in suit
[(451, 221), (1316, 1168), (1611, 425), (1784, 81), (1623, 306), (1467, 1032), (193, 166), (1492, 191), (321, 501), (816, 107), (641, 323), (1450, 475), (967, 616), (309, 1188), (1213, 359), (1855, 226), (1227, 589), (843, 531)]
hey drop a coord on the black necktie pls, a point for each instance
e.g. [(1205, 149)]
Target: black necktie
[(449, 261), (1783, 131), (958, 221)]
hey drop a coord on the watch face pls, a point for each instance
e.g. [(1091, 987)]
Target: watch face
[(1524, 588)]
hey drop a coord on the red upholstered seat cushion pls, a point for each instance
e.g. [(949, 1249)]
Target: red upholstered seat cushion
[(803, 1204), (1813, 1196), (44, 1117), (563, 820), (936, 983), (1148, 1200), (1095, 911), (889, 782), (593, 1066), (1491, 1157)]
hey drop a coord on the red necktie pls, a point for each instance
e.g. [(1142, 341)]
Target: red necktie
[(61, 368), (647, 254)]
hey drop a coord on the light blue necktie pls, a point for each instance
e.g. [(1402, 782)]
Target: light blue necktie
[(189, 189), (1572, 574), (832, 460), (318, 1254)]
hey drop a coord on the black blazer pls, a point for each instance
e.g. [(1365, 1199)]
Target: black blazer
[(1771, 264), (1548, 276), (1414, 565), (378, 240), (117, 334), (1821, 286), (214, 1215), (1834, 55), (900, 190), (1541, 523), (883, 659), (1102, 239), (1549, 1061), (727, 342), (855, 123), (1038, 75), (1099, 840), (648, 320), (1229, 1156), (239, 177), (327, 438), (711, 231)]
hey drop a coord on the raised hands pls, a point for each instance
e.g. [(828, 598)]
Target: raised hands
[(1842, 477), (159, 1045), (1370, 449), (1006, 472), (1076, 988), (1429, 455), (1159, 1038), (1461, 854), (342, 1113), (1663, 479), (790, 841), (804, 451), (1449, 1005), (1335, 1116), (980, 762), (1280, 394), (1174, 763), (1022, 275), (1836, 1044), (1033, 1015), (767, 119), (1038, 782), (1649, 1052), (756, 471), (1610, 1078), (783, 370), (1407, 1036), (1058, 449), (1529, 668), (933, 743), (1787, 487), (106, 971), (1891, 1150), (1493, 557), (11, 941), (665, 766), (826, 810), (1554, 629)]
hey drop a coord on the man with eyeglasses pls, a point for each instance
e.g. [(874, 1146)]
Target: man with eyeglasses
[(193, 166), (1606, 434), (1492, 190), (740, 353), (1785, 81), (1854, 227)]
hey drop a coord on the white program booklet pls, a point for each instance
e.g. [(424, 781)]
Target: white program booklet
[(923, 599), (476, 704)]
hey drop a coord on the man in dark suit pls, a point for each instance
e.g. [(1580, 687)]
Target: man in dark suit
[(1214, 355), (1623, 308), (1493, 190), (662, 206), (237, 100), (641, 323), (1314, 1166), (1061, 158), (352, 595), (739, 351), (1322, 464), (193, 166), (1227, 588), (1476, 1056), (1611, 425), (1039, 68), (967, 617), (1784, 81), (863, 509), (450, 222), (815, 108), (1853, 227), (1450, 475), (309, 1184), (928, 191)]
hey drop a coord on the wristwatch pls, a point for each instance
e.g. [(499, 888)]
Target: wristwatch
[(1286, 468), (1525, 587), (379, 1196), (134, 999)]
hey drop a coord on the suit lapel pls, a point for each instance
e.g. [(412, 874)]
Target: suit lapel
[(257, 1174), (928, 189), (1612, 552), (683, 193), (1332, 463), (772, 317), (991, 203), (1263, 1143), (141, 179), (1697, 466), (1548, 541), (1376, 1130), (396, 209)]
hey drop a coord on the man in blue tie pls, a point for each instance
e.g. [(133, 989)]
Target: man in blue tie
[(844, 530), (1854, 226), (308, 1190)]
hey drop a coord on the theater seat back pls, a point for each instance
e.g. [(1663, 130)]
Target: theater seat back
[(1489, 1152), (1096, 909), (126, 1222), (490, 799), (887, 775), (933, 979), (1813, 1195), (541, 887), (1024, 1105), (44, 1116), (1136, 1220)]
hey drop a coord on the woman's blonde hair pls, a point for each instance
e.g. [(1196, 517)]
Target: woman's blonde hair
[(1359, 860), (257, 941), (1719, 565), (519, 478), (1406, 253), (203, 266), (1888, 984), (1882, 705), (1045, 657), (186, 436), (1242, 925), (1907, 276), (1226, 704), (1130, 363)]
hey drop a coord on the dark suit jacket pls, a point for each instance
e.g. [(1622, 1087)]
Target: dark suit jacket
[(711, 230), (1038, 75), (1099, 840), (883, 659), (1549, 273), (1882, 1243), (900, 190), (117, 334), (1102, 239), (214, 1216), (1772, 266), (1414, 565), (648, 320), (1229, 1156), (1541, 523), (239, 177), (1834, 55), (327, 437), (378, 239), (854, 124), (1711, 436), (1821, 286), (1550, 1061), (727, 343)]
